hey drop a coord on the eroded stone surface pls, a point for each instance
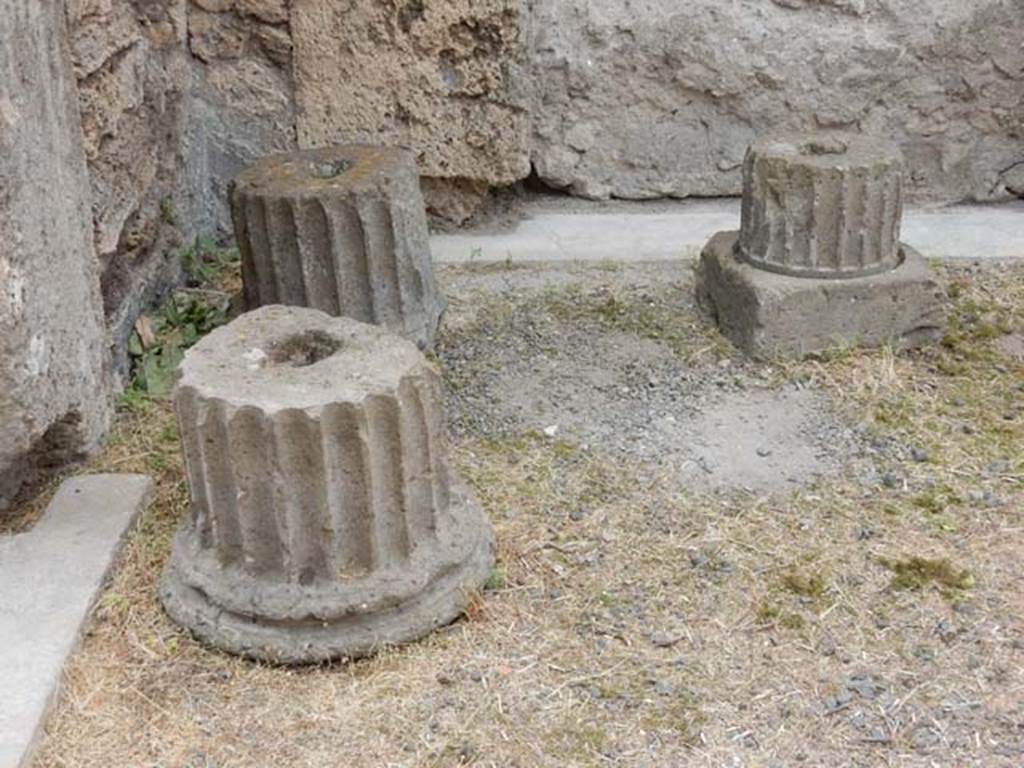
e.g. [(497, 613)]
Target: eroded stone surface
[(439, 76), (770, 315), (325, 520), (822, 205), (53, 399), (662, 98), (132, 74), (340, 229), (242, 98)]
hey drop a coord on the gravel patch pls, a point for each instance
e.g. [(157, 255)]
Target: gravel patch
[(606, 367)]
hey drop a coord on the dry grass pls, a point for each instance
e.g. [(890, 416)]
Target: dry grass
[(632, 622)]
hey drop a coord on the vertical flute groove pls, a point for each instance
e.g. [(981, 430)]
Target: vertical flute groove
[(821, 205), (353, 242)]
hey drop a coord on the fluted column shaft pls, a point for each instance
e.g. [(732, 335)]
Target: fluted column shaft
[(325, 520), (340, 229), (822, 205)]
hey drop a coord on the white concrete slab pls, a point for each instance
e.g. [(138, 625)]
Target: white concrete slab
[(680, 230), (49, 580)]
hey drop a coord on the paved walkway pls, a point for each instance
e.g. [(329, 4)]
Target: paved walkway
[(49, 579), (627, 232)]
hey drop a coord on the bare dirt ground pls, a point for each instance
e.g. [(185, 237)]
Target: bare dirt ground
[(703, 561)]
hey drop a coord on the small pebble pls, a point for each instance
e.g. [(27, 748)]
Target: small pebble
[(838, 702), (663, 688), (999, 466), (878, 736), (891, 480), (697, 559), (664, 639)]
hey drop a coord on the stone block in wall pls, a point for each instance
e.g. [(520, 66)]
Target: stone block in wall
[(131, 67), (661, 98), (53, 397), (99, 34), (241, 101), (441, 77), (269, 11)]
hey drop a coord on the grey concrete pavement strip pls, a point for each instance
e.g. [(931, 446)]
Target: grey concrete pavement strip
[(50, 577), (681, 230)]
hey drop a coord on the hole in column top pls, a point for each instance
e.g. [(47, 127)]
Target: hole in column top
[(329, 169), (823, 146), (302, 349)]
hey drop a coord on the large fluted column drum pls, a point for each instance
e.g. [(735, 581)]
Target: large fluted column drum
[(325, 519), (822, 205), (341, 229)]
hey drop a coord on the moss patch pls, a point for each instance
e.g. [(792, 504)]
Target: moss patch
[(920, 572)]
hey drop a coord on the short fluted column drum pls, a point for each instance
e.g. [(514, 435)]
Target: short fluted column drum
[(825, 205), (325, 520), (342, 229)]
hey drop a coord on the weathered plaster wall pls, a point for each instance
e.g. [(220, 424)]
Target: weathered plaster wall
[(649, 98)]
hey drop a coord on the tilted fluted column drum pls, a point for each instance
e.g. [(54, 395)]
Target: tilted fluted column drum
[(822, 205), (341, 229), (325, 520)]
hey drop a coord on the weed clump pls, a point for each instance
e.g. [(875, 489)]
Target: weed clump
[(769, 614), (157, 345), (920, 572), (804, 584)]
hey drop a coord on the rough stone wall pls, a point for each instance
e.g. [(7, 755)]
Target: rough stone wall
[(443, 77), (131, 72), (242, 98), (176, 97), (53, 386), (660, 97), (603, 98)]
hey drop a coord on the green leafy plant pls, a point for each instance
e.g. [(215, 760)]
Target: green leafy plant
[(205, 260), (158, 343)]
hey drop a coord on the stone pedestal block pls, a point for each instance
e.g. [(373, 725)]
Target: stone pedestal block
[(341, 229), (325, 520), (822, 205), (817, 262), (769, 315)]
